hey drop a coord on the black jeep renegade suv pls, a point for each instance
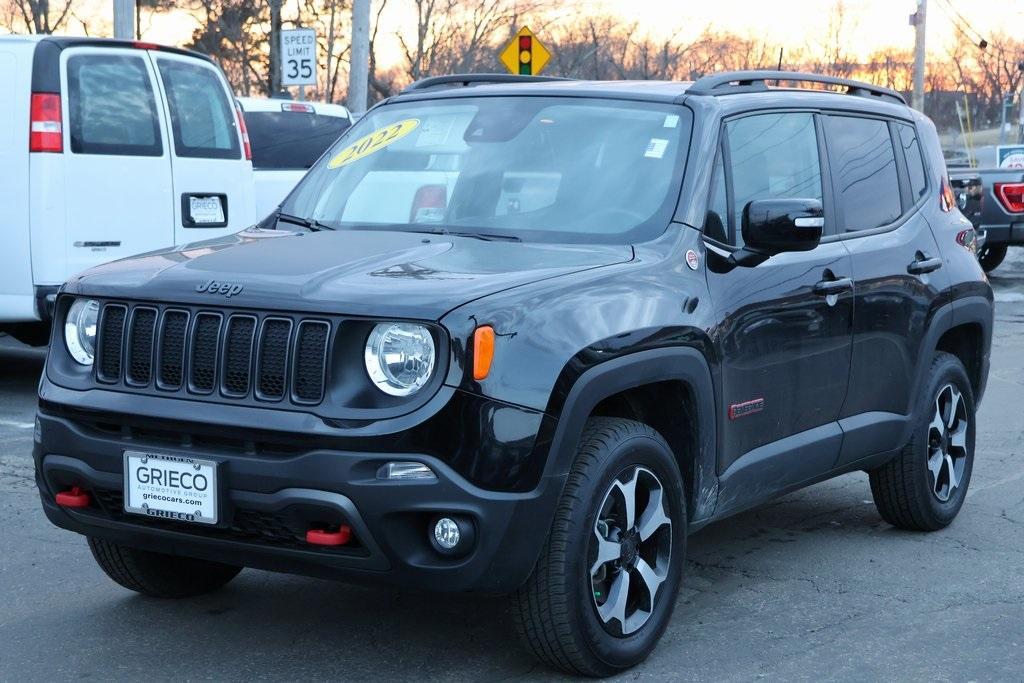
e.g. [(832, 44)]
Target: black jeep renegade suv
[(525, 336)]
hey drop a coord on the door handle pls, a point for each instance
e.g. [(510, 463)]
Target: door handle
[(833, 286), (923, 264)]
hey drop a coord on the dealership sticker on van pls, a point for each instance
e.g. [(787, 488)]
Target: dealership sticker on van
[(206, 210), (170, 487)]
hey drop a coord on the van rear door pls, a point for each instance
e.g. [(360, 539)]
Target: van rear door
[(117, 168), (212, 177)]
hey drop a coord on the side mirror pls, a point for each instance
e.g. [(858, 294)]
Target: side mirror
[(774, 226)]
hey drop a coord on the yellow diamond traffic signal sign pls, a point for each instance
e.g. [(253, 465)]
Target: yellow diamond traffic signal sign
[(525, 55)]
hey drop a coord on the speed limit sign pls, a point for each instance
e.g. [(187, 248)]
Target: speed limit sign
[(298, 56)]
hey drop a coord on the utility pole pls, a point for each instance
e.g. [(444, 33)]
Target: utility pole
[(275, 47), (917, 101), (359, 73), (124, 19)]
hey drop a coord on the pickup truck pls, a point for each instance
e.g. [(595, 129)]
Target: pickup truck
[(995, 208)]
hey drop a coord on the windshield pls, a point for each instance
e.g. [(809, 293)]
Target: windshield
[(553, 169)]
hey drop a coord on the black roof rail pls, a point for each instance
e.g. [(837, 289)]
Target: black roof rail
[(729, 82), (465, 80)]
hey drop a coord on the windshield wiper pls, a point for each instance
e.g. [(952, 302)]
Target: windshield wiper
[(311, 224)]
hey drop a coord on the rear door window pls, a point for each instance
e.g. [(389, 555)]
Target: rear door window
[(201, 116), (290, 140), (863, 164), (111, 106)]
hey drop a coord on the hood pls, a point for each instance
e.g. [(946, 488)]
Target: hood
[(364, 273)]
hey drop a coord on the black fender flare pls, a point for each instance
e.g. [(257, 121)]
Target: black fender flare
[(968, 310), (685, 364)]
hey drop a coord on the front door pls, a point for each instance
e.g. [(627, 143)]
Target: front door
[(784, 331), (117, 169)]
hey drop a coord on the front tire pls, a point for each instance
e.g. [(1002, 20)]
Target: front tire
[(158, 575), (924, 487), (605, 585)]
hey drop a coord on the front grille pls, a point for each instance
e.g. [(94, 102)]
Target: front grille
[(205, 344), (235, 356), (112, 341)]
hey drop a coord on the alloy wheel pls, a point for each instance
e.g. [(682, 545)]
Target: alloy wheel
[(947, 443), (630, 550)]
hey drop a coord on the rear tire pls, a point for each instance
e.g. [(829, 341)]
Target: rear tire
[(991, 256), (158, 575), (924, 487), (568, 613)]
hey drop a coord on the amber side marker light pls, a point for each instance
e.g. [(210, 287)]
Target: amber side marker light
[(483, 351)]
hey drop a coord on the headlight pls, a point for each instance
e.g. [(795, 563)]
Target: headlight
[(399, 357), (80, 330)]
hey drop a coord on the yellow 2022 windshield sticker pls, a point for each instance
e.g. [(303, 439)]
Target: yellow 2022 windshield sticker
[(373, 142)]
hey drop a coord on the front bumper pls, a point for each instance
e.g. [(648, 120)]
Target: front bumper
[(271, 497)]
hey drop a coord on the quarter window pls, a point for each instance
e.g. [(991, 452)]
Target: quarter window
[(201, 116), (772, 156), (864, 174), (915, 161), (111, 106)]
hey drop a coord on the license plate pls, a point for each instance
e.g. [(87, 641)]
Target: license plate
[(170, 487), (206, 210)]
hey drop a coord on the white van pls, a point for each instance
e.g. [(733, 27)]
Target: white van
[(286, 138), (108, 149)]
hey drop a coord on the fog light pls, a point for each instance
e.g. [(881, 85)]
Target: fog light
[(452, 535), (405, 470), (446, 533)]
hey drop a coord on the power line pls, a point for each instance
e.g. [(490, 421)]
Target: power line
[(959, 22)]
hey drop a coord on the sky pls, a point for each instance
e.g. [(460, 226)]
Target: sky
[(872, 24)]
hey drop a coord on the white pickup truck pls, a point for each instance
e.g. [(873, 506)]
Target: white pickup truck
[(287, 137)]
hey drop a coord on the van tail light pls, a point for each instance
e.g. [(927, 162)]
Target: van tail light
[(947, 200), (46, 134), (244, 131), (429, 204), (1011, 196)]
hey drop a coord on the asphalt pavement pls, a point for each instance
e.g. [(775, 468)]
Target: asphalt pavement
[(814, 586)]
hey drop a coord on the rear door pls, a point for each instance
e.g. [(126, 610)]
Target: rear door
[(117, 169), (880, 185), (212, 179)]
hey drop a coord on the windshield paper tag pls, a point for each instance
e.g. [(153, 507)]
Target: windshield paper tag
[(656, 148), (373, 142), (671, 121)]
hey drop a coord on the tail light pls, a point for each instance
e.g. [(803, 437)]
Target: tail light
[(244, 131), (968, 239), (1011, 196), (298, 107), (947, 200), (46, 134), (429, 204)]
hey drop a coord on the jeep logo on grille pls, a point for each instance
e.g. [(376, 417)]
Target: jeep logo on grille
[(228, 289)]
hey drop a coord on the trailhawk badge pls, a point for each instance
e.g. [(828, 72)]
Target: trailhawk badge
[(228, 289)]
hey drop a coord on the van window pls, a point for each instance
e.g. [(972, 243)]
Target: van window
[(915, 162), (863, 172), (772, 156), (286, 139), (111, 106), (201, 116)]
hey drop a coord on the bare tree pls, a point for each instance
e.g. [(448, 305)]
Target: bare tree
[(38, 16)]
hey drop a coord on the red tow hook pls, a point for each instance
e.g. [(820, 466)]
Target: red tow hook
[(323, 537), (73, 498)]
